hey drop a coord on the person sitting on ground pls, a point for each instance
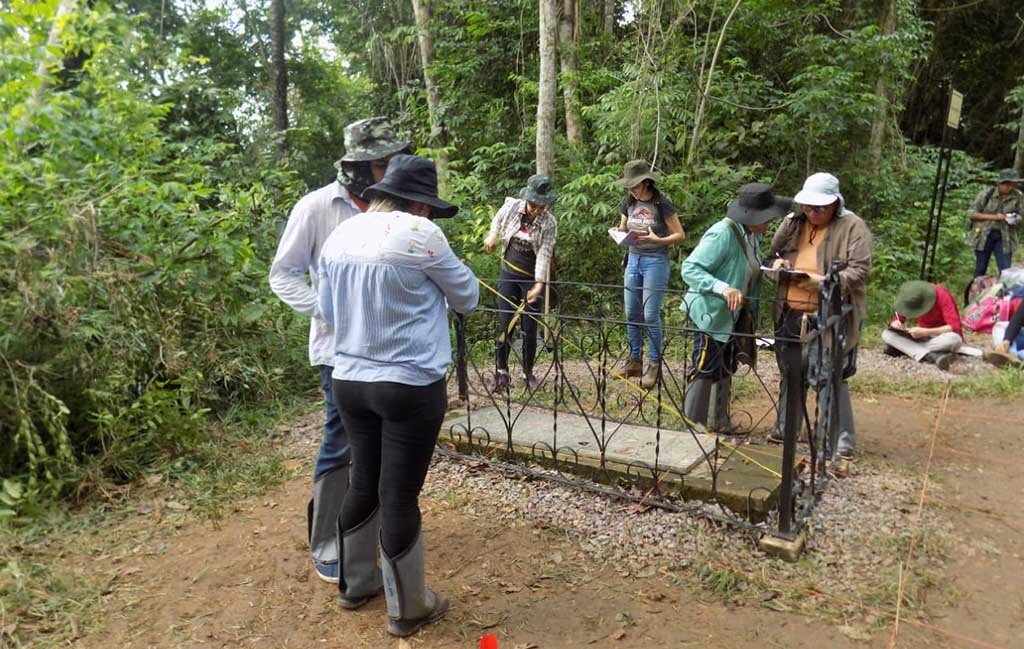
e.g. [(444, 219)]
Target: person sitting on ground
[(388, 278), (528, 230), (649, 213), (1011, 350), (722, 272), (937, 335)]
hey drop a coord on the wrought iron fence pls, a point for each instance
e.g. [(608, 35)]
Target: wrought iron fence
[(583, 422)]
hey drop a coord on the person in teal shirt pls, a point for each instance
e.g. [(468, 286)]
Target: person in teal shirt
[(721, 273)]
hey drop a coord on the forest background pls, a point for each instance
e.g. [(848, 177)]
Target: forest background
[(151, 151)]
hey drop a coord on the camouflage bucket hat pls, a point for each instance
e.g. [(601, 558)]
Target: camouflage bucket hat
[(372, 138), (1008, 176), (539, 190)]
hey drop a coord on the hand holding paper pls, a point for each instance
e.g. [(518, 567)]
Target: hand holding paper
[(621, 238)]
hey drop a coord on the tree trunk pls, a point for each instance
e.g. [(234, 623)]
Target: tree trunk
[(880, 125), (548, 89), (567, 57), (438, 137), (1018, 160), (53, 44), (609, 17), (702, 100), (279, 74)]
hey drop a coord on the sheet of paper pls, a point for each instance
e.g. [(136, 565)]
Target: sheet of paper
[(622, 238)]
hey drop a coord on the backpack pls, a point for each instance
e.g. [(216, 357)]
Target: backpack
[(982, 315)]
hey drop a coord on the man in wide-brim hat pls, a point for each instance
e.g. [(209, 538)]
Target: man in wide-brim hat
[(369, 145), (937, 334), (722, 274), (995, 217), (387, 281)]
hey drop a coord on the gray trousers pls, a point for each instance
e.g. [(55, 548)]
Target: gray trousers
[(793, 356), (918, 349)]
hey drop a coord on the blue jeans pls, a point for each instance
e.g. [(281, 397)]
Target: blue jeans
[(646, 278), (993, 245), (334, 449)]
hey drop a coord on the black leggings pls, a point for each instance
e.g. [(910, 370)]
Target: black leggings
[(514, 287), (392, 429)]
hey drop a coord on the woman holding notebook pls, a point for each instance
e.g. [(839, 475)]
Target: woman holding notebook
[(651, 215)]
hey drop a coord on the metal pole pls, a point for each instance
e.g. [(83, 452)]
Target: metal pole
[(942, 203), (931, 210), (461, 361), (793, 377)]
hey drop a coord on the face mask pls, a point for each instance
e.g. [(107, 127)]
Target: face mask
[(355, 176)]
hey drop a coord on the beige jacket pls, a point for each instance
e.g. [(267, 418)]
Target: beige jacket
[(848, 240)]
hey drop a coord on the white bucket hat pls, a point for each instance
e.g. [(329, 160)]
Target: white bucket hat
[(819, 189)]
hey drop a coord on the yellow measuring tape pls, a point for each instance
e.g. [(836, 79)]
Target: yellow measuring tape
[(521, 307)]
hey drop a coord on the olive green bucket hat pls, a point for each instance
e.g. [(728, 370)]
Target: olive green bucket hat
[(915, 298), (635, 172), (539, 190)]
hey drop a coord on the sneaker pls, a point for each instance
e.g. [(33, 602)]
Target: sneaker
[(630, 367), (326, 571), (501, 381), (776, 437), (531, 382), (940, 360), (889, 350), (845, 453)]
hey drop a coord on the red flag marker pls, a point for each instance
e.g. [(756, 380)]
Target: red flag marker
[(489, 641)]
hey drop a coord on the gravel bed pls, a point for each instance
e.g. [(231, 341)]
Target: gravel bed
[(859, 534)]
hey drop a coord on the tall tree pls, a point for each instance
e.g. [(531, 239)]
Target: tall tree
[(438, 137), (609, 17), (567, 36), (279, 75), (880, 124), (1018, 159), (548, 86), (702, 98)]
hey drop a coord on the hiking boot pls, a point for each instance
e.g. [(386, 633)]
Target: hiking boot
[(630, 367), (531, 381), (500, 382), (1001, 359), (650, 377), (941, 360)]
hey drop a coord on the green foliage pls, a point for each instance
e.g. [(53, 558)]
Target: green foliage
[(133, 280)]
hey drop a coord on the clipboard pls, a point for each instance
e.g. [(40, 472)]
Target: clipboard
[(791, 273), (903, 333)]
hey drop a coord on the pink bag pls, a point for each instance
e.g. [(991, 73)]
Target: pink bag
[(983, 315)]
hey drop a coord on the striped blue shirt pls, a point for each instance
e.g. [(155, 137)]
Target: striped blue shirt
[(387, 280)]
